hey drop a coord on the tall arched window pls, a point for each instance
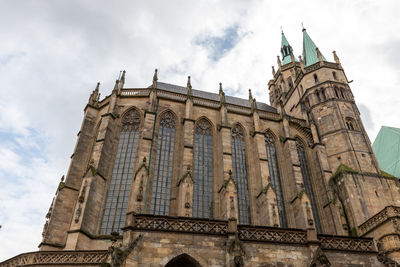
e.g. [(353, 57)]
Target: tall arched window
[(240, 174), (336, 92), (308, 184), (121, 178), (203, 171), (161, 189), (275, 177)]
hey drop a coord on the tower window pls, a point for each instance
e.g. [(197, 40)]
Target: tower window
[(334, 75), (275, 177), (350, 124), (161, 189), (336, 92), (240, 174), (121, 178), (308, 184), (341, 93), (203, 171), (315, 78), (290, 82)]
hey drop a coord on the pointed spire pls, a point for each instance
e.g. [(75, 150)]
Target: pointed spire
[(189, 89), (221, 95), (336, 58), (286, 51), (94, 96), (155, 79), (310, 54), (122, 80), (250, 95)]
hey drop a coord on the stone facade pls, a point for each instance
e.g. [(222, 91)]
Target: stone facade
[(315, 194)]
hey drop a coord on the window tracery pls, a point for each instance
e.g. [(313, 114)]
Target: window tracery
[(240, 174), (203, 170), (161, 186), (121, 178), (275, 177)]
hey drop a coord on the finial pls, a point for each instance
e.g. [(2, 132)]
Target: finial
[(119, 76), (116, 86), (273, 71), (279, 62), (123, 75), (97, 86), (155, 76), (319, 55), (302, 26), (220, 88), (281, 29), (335, 57), (188, 83), (250, 95)]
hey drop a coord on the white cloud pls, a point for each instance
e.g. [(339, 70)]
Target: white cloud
[(53, 52)]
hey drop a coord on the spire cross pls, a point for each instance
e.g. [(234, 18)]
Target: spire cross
[(302, 26), (281, 29)]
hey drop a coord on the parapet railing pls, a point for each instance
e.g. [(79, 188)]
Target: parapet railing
[(76, 257), (357, 244), (146, 222), (379, 218)]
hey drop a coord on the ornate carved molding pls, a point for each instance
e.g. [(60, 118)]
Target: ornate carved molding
[(379, 218), (89, 257)]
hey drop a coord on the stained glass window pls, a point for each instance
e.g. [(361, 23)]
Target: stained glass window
[(203, 171), (121, 178), (275, 177), (307, 184), (240, 174), (161, 189)]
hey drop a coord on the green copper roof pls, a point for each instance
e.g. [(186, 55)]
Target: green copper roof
[(285, 50), (309, 53), (387, 150)]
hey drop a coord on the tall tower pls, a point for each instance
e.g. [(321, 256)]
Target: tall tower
[(351, 182)]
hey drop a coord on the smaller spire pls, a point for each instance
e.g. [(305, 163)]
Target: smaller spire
[(273, 71), (221, 95), (250, 95), (94, 96), (115, 90), (279, 62), (220, 89), (155, 79), (189, 89), (335, 57)]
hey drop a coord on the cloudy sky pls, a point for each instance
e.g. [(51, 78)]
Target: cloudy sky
[(52, 53)]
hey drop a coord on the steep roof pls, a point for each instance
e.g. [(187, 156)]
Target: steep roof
[(213, 96), (309, 50), (285, 50), (387, 150)]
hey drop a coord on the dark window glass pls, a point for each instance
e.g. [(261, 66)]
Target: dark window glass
[(121, 178), (240, 174), (161, 189), (315, 78), (275, 178), (203, 171), (307, 184)]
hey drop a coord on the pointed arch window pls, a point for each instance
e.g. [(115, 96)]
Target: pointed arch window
[(240, 174), (350, 123), (161, 189), (275, 177), (121, 178), (203, 171), (305, 172)]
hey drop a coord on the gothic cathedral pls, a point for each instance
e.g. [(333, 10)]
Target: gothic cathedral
[(168, 175)]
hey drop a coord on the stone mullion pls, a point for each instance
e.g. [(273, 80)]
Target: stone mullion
[(262, 155), (185, 197)]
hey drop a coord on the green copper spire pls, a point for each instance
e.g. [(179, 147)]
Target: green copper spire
[(309, 50), (285, 50)]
